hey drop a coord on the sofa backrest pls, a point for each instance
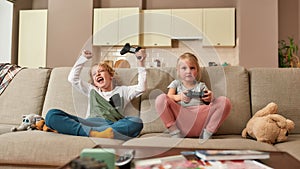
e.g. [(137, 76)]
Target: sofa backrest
[(280, 86), (61, 95), (24, 95), (157, 82), (231, 81)]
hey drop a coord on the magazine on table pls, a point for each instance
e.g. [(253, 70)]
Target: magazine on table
[(231, 154), (181, 162)]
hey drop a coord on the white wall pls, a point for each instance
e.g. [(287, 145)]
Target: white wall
[(6, 14)]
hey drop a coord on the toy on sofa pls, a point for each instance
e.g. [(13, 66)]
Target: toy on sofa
[(33, 122), (267, 126), (40, 125), (28, 123)]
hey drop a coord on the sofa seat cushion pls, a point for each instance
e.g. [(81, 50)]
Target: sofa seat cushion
[(223, 143), (292, 145), (6, 128), (44, 148)]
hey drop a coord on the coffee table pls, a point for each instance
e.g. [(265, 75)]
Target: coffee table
[(276, 160)]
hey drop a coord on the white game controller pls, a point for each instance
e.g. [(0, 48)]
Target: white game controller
[(125, 158)]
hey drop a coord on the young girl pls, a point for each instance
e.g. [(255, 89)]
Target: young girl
[(105, 106), (189, 116)]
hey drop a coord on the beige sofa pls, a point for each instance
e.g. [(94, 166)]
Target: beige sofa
[(38, 90)]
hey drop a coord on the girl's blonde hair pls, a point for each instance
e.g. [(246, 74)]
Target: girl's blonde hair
[(192, 58)]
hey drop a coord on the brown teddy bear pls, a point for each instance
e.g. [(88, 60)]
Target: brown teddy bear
[(267, 126)]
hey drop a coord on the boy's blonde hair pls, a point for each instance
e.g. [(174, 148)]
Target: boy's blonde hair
[(106, 66), (191, 57)]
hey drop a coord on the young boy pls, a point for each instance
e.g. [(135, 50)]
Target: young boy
[(106, 103)]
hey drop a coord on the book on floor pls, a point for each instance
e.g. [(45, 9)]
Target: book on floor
[(231, 154)]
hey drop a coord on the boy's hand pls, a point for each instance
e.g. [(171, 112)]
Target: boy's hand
[(87, 54), (141, 53)]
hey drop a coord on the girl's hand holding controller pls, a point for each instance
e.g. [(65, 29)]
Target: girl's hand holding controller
[(184, 97), (208, 96), (87, 54)]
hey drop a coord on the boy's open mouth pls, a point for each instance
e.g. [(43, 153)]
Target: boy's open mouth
[(99, 79)]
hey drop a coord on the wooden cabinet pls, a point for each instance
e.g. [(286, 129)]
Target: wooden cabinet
[(187, 23), (157, 27), (219, 27), (116, 26), (106, 26), (32, 38), (129, 26)]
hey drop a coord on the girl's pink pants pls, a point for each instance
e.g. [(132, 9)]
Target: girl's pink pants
[(193, 119)]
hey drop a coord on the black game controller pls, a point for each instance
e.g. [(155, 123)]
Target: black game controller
[(193, 94), (127, 48)]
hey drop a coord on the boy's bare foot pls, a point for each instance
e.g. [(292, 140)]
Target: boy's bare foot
[(107, 133)]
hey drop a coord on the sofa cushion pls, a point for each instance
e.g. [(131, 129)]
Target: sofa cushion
[(280, 86), (223, 143), (24, 95), (62, 95), (292, 145), (158, 79), (231, 81), (5, 128), (157, 82), (44, 148), (152, 121)]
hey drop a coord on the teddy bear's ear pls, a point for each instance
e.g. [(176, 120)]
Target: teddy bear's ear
[(271, 108)]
